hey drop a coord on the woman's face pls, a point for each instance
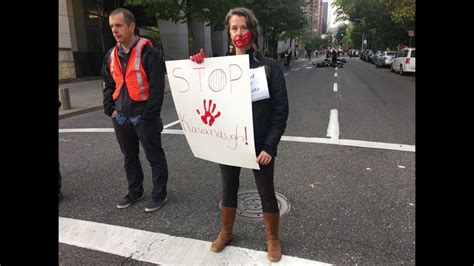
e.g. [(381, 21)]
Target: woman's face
[(238, 28)]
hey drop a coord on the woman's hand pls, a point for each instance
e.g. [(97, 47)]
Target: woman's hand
[(264, 158), (199, 57)]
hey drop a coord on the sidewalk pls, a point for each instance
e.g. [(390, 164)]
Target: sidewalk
[(86, 96)]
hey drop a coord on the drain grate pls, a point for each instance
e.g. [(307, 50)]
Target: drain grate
[(249, 205)]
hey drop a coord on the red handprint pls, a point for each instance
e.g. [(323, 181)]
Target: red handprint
[(208, 113)]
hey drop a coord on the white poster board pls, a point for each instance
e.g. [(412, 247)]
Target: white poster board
[(214, 106)]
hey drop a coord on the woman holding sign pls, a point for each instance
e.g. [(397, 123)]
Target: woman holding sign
[(269, 123)]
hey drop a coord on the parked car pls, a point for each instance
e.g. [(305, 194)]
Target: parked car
[(404, 61), (362, 54), (385, 59), (373, 56), (367, 55)]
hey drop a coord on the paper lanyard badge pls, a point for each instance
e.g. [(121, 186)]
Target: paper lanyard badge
[(258, 84)]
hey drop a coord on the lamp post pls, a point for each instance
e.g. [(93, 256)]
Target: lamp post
[(364, 41), (411, 33)]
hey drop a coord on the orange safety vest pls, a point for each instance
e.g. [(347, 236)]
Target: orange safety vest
[(135, 75)]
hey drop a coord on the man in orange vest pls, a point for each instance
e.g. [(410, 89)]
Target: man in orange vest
[(133, 95)]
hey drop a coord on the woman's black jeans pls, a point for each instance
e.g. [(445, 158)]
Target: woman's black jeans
[(263, 178)]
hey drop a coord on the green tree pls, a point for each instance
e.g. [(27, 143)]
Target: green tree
[(278, 17), (312, 42), (295, 33), (341, 32), (184, 11), (385, 23)]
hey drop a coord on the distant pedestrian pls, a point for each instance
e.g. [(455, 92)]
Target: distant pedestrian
[(133, 96), (334, 56), (288, 59)]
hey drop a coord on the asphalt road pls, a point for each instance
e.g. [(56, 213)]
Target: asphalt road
[(349, 204)]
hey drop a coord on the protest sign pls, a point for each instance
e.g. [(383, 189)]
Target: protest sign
[(214, 106)]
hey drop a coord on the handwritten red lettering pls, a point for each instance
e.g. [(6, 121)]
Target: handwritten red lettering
[(230, 137)]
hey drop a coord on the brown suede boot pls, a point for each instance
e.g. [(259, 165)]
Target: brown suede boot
[(271, 226), (225, 235)]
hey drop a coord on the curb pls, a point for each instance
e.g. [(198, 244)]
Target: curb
[(80, 112), (87, 110)]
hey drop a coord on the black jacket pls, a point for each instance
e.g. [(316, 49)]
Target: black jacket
[(149, 109), (269, 115)]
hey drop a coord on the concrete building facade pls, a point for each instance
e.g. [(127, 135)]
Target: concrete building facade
[(314, 14), (85, 36), (324, 27)]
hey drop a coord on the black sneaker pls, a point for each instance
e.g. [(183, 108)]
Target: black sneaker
[(127, 201), (155, 205)]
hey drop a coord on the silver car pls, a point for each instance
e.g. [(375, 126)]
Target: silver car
[(385, 59)]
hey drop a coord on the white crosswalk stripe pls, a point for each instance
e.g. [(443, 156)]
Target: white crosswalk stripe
[(160, 248)]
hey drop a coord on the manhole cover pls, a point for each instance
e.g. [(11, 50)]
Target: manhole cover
[(249, 205)]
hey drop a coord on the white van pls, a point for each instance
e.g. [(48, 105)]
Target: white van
[(404, 61)]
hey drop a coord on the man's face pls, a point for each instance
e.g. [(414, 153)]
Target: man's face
[(121, 31)]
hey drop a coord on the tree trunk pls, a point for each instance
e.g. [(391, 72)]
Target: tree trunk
[(292, 48), (273, 42), (190, 35)]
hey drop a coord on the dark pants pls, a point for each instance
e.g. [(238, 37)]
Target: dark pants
[(148, 133), (263, 178)]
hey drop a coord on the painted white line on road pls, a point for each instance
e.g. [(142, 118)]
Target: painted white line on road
[(285, 74), (308, 67), (171, 124), (346, 142), (160, 248), (333, 127), (100, 130), (173, 131), (296, 69), (336, 68), (377, 145), (353, 143), (335, 75), (335, 87), (85, 130)]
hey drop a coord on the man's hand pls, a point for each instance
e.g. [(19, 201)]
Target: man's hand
[(114, 114), (264, 158), (199, 57)]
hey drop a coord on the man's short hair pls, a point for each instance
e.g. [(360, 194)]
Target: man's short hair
[(127, 15)]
